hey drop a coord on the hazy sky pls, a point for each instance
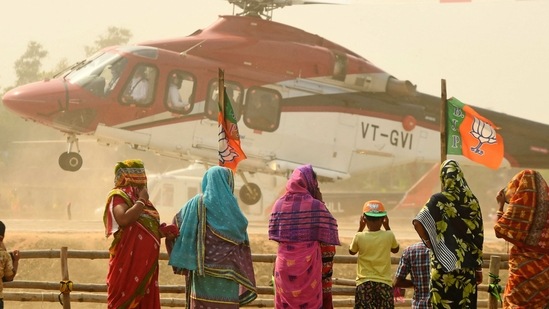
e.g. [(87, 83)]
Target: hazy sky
[(492, 53)]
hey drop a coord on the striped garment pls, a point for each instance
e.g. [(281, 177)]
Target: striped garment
[(298, 216), (328, 252)]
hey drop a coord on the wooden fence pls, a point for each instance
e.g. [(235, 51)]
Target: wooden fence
[(343, 289)]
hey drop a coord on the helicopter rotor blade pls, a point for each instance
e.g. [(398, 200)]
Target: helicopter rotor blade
[(295, 2), (282, 3), (264, 8)]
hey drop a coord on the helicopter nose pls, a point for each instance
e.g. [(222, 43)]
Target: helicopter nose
[(35, 99), (15, 98)]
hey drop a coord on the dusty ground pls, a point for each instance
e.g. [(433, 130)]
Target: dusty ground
[(94, 271)]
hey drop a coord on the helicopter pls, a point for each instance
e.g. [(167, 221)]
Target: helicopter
[(298, 98)]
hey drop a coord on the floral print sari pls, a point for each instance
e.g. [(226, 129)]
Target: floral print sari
[(453, 220)]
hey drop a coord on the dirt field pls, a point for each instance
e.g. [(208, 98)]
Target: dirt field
[(94, 271)]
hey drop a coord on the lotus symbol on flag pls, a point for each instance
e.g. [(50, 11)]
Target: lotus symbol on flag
[(226, 153), (484, 133)]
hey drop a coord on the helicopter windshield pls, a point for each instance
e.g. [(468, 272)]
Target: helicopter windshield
[(91, 75)]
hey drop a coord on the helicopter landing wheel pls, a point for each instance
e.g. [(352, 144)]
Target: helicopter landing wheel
[(250, 194), (70, 161)]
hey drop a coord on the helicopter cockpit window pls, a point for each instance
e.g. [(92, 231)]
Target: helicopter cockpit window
[(235, 92), (112, 75), (147, 52), (262, 109), (93, 74), (139, 89), (180, 92)]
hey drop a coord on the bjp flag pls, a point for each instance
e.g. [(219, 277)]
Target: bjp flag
[(230, 152), (473, 136)]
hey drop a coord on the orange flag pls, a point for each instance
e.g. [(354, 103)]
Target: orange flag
[(230, 153), (473, 136)]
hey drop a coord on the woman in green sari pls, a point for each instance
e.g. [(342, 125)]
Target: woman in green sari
[(450, 224)]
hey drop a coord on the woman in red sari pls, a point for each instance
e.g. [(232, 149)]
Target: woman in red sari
[(525, 224), (132, 280)]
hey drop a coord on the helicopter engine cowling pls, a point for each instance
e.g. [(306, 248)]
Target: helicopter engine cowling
[(398, 87)]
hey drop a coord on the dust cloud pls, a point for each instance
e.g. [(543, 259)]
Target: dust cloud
[(35, 187)]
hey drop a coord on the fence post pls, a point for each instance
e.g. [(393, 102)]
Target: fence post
[(493, 303), (66, 285)]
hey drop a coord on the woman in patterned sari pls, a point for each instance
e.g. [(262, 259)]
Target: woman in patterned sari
[(307, 234), (132, 280), (450, 224), (213, 249), (525, 225)]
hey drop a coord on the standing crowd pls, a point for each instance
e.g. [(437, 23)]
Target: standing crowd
[(208, 245)]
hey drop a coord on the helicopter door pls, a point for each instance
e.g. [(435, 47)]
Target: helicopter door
[(262, 109), (235, 92), (344, 142)]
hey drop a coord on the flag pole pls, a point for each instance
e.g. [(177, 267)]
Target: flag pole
[(221, 101), (443, 117), (221, 91)]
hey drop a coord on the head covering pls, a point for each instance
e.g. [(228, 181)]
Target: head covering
[(2, 229), (129, 177), (374, 208), (453, 182), (453, 220), (525, 222), (130, 173), (299, 216), (223, 213)]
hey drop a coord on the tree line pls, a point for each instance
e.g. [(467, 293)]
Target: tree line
[(29, 68)]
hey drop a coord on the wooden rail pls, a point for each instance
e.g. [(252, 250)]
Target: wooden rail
[(343, 289)]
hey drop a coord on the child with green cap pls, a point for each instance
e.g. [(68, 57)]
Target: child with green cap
[(374, 246)]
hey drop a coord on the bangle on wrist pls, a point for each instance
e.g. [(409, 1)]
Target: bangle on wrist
[(140, 201), (478, 270)]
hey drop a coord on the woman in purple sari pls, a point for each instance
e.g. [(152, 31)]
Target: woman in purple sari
[(301, 224)]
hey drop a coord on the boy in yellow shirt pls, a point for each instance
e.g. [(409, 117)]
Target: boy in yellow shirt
[(374, 275)]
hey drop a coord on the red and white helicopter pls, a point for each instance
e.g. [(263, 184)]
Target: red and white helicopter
[(299, 98)]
